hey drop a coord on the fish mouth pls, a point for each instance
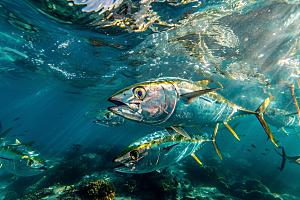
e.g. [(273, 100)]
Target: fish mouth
[(116, 101), (118, 166), (126, 110)]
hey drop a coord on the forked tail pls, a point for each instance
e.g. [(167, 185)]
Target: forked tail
[(213, 139), (259, 114), (283, 155)]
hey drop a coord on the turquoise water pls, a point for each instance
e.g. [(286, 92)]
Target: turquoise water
[(62, 59)]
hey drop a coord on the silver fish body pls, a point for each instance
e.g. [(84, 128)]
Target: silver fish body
[(22, 160), (156, 151), (176, 102), (164, 106)]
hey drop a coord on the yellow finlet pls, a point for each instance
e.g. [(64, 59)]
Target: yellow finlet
[(0, 165), (194, 156), (231, 130), (204, 82), (220, 84), (197, 128), (18, 142)]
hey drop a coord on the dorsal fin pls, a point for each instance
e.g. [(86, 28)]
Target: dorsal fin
[(181, 131), (17, 141), (191, 95), (28, 144)]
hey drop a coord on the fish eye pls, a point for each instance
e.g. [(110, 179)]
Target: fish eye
[(30, 163), (139, 93), (107, 116), (134, 154)]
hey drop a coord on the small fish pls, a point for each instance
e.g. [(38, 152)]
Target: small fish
[(75, 148), (13, 135), (174, 103), (249, 150), (267, 149), (21, 135), (253, 146), (158, 150), (26, 131), (77, 145), (264, 154), (16, 118), (106, 118), (292, 159), (21, 159)]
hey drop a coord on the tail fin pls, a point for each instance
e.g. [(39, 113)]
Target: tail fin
[(283, 158), (259, 114), (213, 139)]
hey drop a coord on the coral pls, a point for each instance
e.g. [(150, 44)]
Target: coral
[(96, 190), (148, 186), (256, 185), (10, 195)]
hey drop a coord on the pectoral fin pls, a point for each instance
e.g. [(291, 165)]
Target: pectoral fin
[(6, 158), (197, 128), (169, 130), (169, 148), (181, 131), (191, 95), (291, 114)]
